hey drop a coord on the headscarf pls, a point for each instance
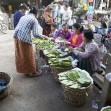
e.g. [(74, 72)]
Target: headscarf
[(47, 15)]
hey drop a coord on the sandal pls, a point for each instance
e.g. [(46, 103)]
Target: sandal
[(37, 74)]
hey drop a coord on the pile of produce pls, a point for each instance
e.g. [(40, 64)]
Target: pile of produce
[(81, 10), (108, 108), (75, 78), (54, 53), (63, 63), (43, 44)]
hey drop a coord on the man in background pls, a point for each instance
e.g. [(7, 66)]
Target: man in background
[(20, 13)]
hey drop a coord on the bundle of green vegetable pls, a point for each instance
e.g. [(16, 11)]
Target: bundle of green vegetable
[(75, 78), (62, 63), (108, 108), (43, 44), (54, 53)]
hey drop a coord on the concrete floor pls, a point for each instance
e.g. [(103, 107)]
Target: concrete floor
[(31, 94)]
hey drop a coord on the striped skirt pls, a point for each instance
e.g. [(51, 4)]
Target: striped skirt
[(24, 57)]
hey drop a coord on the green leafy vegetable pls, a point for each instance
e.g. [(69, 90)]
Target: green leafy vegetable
[(75, 78), (107, 109)]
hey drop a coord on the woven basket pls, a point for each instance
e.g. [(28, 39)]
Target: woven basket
[(104, 108), (6, 92), (57, 70), (75, 97)]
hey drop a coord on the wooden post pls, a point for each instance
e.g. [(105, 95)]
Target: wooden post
[(36, 3)]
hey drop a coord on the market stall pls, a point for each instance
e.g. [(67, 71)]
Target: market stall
[(101, 14), (76, 83)]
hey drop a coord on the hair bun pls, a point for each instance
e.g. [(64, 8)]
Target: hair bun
[(33, 10)]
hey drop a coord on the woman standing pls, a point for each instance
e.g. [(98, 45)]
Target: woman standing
[(24, 54), (47, 20), (66, 15), (90, 13)]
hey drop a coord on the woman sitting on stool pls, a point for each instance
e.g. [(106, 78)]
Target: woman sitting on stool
[(87, 53)]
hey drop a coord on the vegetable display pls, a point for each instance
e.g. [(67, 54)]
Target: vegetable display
[(54, 53), (63, 63), (43, 44), (76, 78)]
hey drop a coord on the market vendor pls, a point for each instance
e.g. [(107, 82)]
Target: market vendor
[(76, 38), (63, 33), (24, 54), (87, 53)]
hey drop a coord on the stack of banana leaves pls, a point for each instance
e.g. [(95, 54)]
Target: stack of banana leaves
[(76, 78), (61, 63)]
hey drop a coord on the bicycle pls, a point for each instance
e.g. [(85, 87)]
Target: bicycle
[(3, 26)]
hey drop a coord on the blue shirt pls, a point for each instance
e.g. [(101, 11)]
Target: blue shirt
[(17, 17), (23, 30), (90, 10)]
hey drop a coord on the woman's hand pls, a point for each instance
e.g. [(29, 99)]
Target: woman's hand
[(79, 49), (46, 38), (71, 49), (52, 39), (50, 35), (67, 44)]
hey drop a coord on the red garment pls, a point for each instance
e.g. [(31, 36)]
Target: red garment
[(77, 42)]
